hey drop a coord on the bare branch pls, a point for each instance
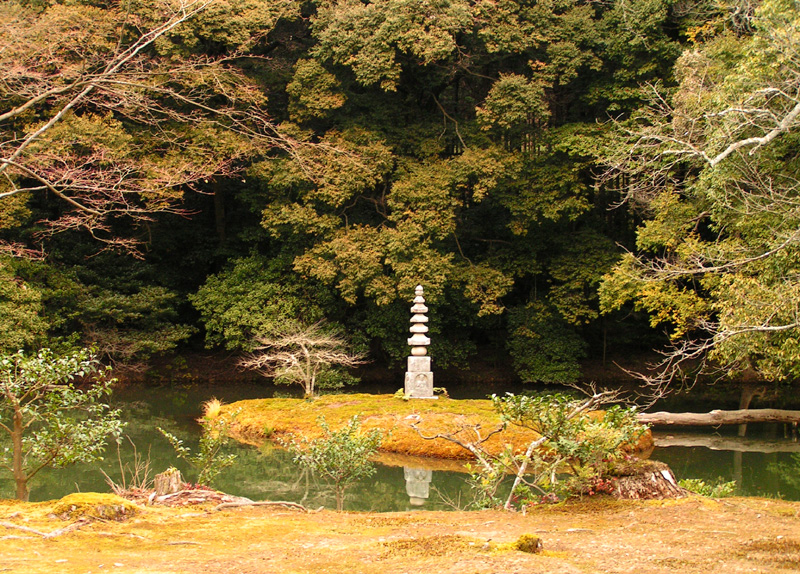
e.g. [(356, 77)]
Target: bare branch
[(473, 445)]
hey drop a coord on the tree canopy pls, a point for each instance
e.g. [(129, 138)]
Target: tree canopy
[(715, 164), (210, 172)]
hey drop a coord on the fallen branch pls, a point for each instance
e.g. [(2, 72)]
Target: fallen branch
[(718, 417), (292, 505)]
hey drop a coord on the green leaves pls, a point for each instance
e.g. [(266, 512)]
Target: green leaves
[(514, 103), (50, 421), (21, 321), (543, 347), (716, 167), (371, 37), (251, 298), (210, 459), (576, 454), (339, 456), (314, 91)]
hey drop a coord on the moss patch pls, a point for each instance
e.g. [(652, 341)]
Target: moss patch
[(94, 505), (646, 538), (528, 543), (432, 546), (781, 552)]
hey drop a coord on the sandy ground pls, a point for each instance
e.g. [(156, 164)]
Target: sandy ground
[(725, 536)]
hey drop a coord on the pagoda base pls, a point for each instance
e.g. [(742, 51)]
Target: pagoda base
[(419, 385)]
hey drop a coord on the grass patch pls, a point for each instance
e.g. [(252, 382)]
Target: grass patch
[(94, 505)]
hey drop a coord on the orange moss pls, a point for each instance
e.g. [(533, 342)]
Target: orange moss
[(260, 419)]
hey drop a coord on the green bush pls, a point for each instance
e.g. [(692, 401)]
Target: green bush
[(340, 456), (577, 451), (720, 489)]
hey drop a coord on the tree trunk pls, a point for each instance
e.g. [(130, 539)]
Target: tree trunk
[(717, 417), (219, 211), (339, 498), (20, 477), (745, 398)]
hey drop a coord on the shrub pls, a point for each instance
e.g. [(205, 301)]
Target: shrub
[(340, 456)]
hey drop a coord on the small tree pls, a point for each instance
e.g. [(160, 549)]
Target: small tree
[(209, 460), (50, 421), (339, 456), (571, 439), (309, 356)]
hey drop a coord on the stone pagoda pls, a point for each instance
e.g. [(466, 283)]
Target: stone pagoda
[(419, 378)]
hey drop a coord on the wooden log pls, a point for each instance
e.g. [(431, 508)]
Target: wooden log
[(718, 417)]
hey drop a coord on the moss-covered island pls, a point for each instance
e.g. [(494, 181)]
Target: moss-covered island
[(257, 420)]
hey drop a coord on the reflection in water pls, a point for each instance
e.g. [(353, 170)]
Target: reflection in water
[(762, 464), (418, 484)]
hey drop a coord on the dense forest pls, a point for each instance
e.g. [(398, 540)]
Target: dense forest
[(570, 180)]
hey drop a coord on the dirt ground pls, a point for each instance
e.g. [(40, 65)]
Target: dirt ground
[(688, 535)]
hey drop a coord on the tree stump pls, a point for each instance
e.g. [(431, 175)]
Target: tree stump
[(650, 480), (168, 482)]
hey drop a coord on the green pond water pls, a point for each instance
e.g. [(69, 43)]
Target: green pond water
[(269, 474)]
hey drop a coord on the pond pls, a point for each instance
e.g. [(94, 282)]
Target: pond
[(766, 463)]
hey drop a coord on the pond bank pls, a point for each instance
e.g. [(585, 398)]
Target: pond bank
[(691, 535)]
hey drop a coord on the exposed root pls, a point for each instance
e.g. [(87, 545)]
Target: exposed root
[(291, 505), (69, 528)]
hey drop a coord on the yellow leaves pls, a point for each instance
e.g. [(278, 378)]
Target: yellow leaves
[(477, 173), (670, 303), (368, 36), (235, 24), (699, 34), (485, 286), (313, 91), (514, 102), (754, 304), (672, 223), (61, 40), (75, 134), (423, 196), (353, 260), (14, 209), (330, 174), (287, 219)]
